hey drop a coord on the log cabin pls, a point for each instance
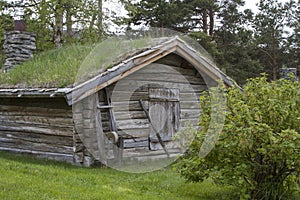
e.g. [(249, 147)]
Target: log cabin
[(132, 110)]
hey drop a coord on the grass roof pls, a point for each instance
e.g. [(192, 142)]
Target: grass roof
[(54, 68), (76, 63)]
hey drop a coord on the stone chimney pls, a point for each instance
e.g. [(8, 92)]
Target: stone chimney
[(19, 45), (289, 73)]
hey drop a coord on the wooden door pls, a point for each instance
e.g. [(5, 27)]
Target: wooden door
[(164, 110)]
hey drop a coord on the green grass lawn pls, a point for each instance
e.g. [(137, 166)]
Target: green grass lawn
[(28, 178)]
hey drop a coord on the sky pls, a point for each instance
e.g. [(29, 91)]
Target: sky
[(251, 4)]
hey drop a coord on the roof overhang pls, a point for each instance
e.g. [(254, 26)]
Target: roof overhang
[(33, 92)]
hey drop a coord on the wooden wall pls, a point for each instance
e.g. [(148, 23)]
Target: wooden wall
[(39, 126), (131, 120)]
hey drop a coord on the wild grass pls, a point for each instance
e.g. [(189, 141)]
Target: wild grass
[(29, 178), (55, 68)]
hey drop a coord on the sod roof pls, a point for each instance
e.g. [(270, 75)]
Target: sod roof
[(69, 65)]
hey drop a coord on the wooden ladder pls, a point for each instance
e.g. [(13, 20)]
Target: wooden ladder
[(118, 143)]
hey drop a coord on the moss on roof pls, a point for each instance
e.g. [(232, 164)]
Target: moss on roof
[(67, 65)]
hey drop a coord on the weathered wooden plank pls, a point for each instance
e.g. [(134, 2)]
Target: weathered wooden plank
[(184, 95), (145, 85), (134, 133), (154, 146), (124, 106), (16, 122), (38, 138), (119, 96), (40, 154), (190, 105), (192, 96), (164, 94), (134, 105), (35, 111), (134, 143), (168, 78), (190, 113), (125, 96), (191, 121), (26, 145), (38, 120), (50, 103), (171, 69), (123, 115), (33, 129), (185, 114), (133, 124)]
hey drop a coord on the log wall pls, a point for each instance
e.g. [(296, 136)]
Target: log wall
[(39, 126), (131, 120)]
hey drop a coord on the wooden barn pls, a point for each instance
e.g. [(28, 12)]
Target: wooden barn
[(130, 111)]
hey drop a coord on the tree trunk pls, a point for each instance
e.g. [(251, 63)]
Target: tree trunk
[(93, 20), (58, 27), (204, 21), (100, 20), (274, 58), (211, 22), (69, 20)]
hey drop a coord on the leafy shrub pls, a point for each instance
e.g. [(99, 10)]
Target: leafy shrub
[(258, 149)]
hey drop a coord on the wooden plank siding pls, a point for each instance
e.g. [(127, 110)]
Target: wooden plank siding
[(132, 123), (39, 126)]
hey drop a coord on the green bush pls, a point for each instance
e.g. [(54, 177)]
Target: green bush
[(258, 149)]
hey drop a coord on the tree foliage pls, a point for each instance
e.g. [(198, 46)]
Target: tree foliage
[(242, 43), (270, 24), (59, 21), (259, 147)]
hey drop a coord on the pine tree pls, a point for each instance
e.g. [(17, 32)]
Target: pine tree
[(269, 25), (235, 42)]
